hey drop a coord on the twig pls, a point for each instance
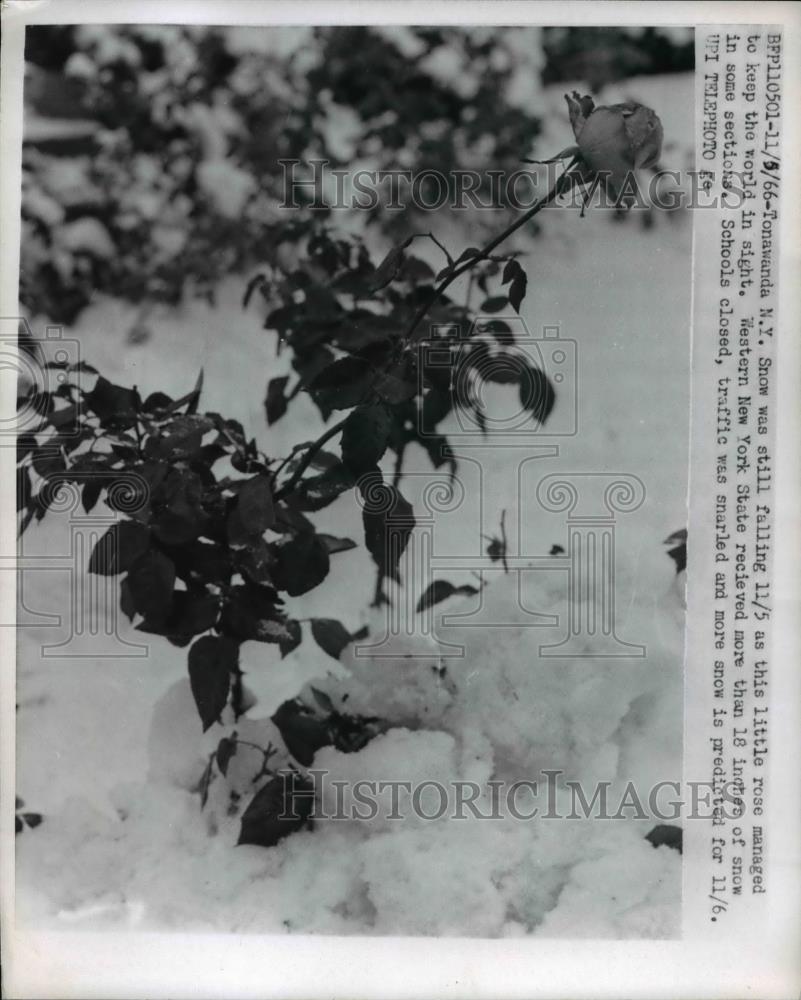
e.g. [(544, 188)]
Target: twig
[(308, 457), (558, 188)]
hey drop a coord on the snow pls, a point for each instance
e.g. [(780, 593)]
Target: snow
[(109, 748)]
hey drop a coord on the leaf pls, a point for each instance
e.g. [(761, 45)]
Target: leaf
[(212, 660), (292, 638), (667, 835), (254, 512), (468, 254), (253, 612), (281, 806), (334, 544), (191, 613), (388, 520), (437, 404), (157, 401), (536, 394), (90, 494), (441, 590), (180, 439), (500, 330), (511, 271), (191, 399), (114, 404), (494, 304), (302, 733), (226, 749), (181, 517), (342, 384), (496, 549), (317, 492), (679, 556), (255, 282), (119, 547), (126, 601), (301, 564), (679, 551), (389, 267), (275, 405), (330, 635), (255, 561), (365, 436), (322, 699), (151, 580), (517, 291)]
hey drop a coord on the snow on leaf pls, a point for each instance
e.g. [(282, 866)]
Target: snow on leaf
[(255, 505)]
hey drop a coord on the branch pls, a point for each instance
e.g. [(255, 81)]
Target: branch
[(560, 186), (308, 457)]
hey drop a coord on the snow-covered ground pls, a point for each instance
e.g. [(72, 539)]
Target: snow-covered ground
[(109, 747)]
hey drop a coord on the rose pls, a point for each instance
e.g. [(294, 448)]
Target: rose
[(614, 141)]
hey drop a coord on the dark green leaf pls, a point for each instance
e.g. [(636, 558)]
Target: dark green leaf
[(279, 808), (536, 394), (342, 384), (440, 590), (322, 700), (254, 512), (226, 749), (511, 270), (318, 492), (494, 304), (117, 549), (151, 580), (191, 399), (500, 330), (330, 635), (389, 266), (365, 436), (334, 544), (254, 612), (388, 521), (667, 835), (275, 405), (90, 493), (255, 282), (293, 637), (302, 733), (301, 564), (190, 614), (114, 404), (517, 291), (212, 661)]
